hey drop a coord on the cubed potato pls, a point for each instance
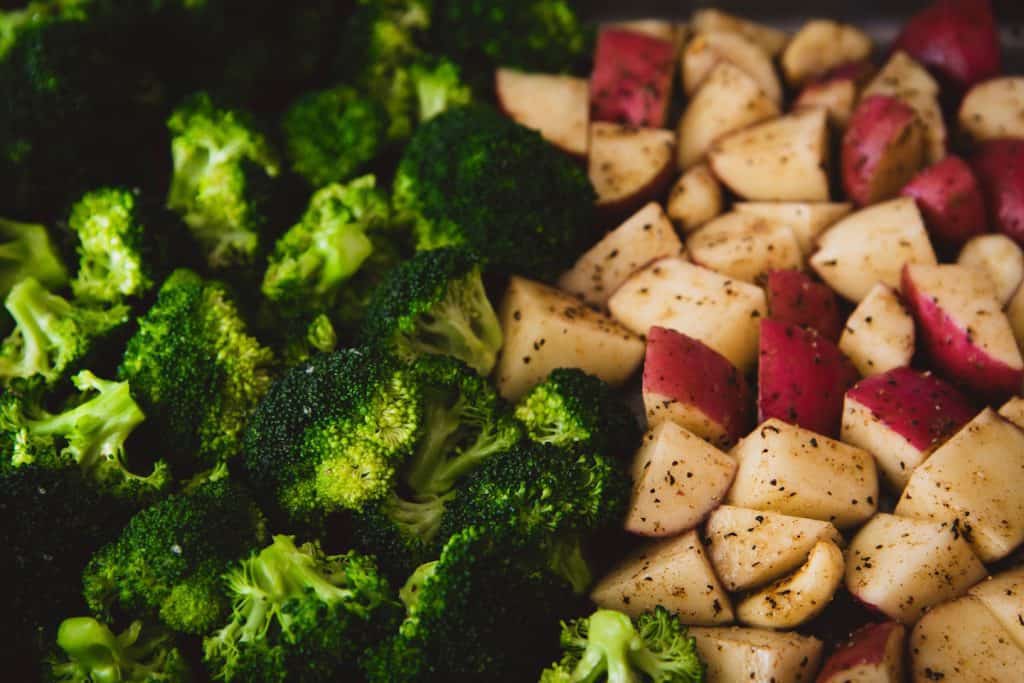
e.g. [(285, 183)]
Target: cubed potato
[(748, 548), (631, 82), (629, 166), (962, 328), (963, 641), (901, 417), (727, 101), (974, 480), (872, 246), (799, 597), (905, 79), (687, 382), (708, 49), (902, 566), (768, 38), (994, 109), (644, 237), (757, 655), (695, 199), (1003, 595), (879, 334), (678, 479), (796, 299), (874, 654), (950, 200), (674, 573), (999, 257), (720, 312), (883, 148), (745, 246), (836, 96), (806, 219), (656, 28), (783, 468), (999, 167), (821, 45), (547, 329), (784, 159), (556, 106), (1013, 410)]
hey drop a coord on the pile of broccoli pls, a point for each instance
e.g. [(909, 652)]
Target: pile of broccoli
[(247, 430)]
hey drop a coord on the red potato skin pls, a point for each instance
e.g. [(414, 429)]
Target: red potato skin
[(632, 78), (922, 408), (802, 378), (953, 353), (950, 200), (796, 299), (955, 39), (859, 72), (999, 166), (876, 123), (681, 368), (867, 645)]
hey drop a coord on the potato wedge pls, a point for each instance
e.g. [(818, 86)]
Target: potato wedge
[(994, 109), (745, 246), (1000, 258), (1003, 594), (879, 334), (556, 106), (806, 219), (799, 597), (906, 80), (695, 199), (768, 38), (874, 654), (757, 655), (629, 166), (883, 148), (708, 49), (821, 45)]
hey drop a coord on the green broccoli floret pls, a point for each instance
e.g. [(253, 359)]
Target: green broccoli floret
[(608, 646), (572, 408), (439, 87), (530, 206), (299, 615), (435, 303), (92, 653), (319, 336), (26, 251), (195, 370), (331, 135), (36, 13), (220, 186), (52, 336), (168, 561)]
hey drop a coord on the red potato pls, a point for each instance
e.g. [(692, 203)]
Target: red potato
[(901, 417), (664, 30), (689, 383), (963, 329), (796, 299), (801, 378), (956, 39), (557, 107), (882, 149), (632, 78), (999, 165), (821, 45), (837, 97), (629, 166), (745, 246), (874, 654), (950, 200), (879, 334), (906, 80), (994, 109)]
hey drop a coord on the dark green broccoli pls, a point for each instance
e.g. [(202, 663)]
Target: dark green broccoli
[(439, 87), (168, 562), (91, 652), (300, 615), (573, 408), (223, 170), (319, 336), (52, 336), (26, 251), (14, 21), (195, 370), (435, 303), (608, 646), (470, 176)]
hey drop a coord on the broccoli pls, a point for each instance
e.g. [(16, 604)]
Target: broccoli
[(471, 176), (331, 135), (573, 408), (299, 615), (223, 168), (14, 21), (195, 370), (52, 336), (168, 561), (435, 303), (92, 653), (608, 646), (26, 251), (439, 87), (318, 336)]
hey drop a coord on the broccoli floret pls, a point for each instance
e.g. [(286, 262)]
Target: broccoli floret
[(15, 21), (608, 646), (331, 135), (435, 303), (319, 336), (223, 168), (531, 206), (299, 615), (52, 336), (169, 559), (573, 408), (439, 87), (92, 652), (195, 370), (26, 251)]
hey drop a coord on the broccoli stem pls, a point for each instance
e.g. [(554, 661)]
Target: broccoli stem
[(441, 423), (611, 641), (463, 325), (93, 647), (566, 560), (487, 443), (36, 313), (420, 516)]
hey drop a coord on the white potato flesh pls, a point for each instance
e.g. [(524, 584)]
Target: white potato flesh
[(994, 109), (874, 654), (806, 219), (708, 49), (1003, 595), (745, 246), (557, 107), (1013, 410), (837, 97), (879, 334), (768, 38), (628, 163), (1015, 314), (820, 45), (906, 80), (734, 655), (695, 199), (1000, 258)]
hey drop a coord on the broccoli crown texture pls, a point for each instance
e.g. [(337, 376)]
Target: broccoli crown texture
[(26, 251), (91, 652), (439, 86), (195, 370), (608, 646), (317, 336), (471, 176)]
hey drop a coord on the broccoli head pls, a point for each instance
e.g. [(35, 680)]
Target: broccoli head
[(439, 86), (15, 21), (573, 408), (223, 168), (195, 370), (91, 652), (471, 176), (26, 251), (435, 303), (608, 646), (52, 336), (318, 336), (168, 562), (299, 615)]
